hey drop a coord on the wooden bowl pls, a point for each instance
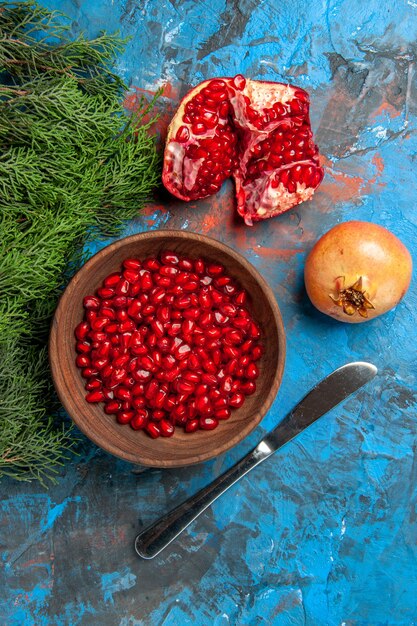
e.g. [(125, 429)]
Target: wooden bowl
[(121, 440)]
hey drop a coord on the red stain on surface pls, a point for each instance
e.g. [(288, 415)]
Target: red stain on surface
[(340, 186), (282, 253), (385, 108)]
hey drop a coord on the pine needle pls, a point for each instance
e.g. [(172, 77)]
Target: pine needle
[(73, 166)]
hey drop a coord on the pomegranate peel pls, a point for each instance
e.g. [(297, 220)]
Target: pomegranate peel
[(257, 132), (357, 271)]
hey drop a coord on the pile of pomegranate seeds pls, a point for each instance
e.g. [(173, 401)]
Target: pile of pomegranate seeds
[(168, 342), (258, 132)]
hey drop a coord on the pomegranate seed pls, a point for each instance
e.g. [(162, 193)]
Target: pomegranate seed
[(186, 361), (95, 396), (82, 360), (236, 400), (83, 347), (248, 388), (153, 430), (166, 428), (252, 371), (112, 407), (124, 417), (91, 303), (112, 280), (222, 414), (93, 383), (132, 264), (82, 330), (208, 423), (139, 420), (191, 426)]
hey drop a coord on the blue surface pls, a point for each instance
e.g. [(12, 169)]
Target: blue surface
[(325, 532)]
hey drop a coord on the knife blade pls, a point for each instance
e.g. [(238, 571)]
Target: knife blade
[(326, 395)]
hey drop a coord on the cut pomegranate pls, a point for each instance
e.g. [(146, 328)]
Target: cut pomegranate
[(257, 132)]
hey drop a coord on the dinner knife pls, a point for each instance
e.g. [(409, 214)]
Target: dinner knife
[(327, 394)]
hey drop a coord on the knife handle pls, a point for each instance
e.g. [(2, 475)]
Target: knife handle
[(159, 535)]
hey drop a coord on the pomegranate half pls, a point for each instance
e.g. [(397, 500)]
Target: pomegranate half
[(257, 132)]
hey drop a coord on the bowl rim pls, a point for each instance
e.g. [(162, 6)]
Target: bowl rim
[(59, 378)]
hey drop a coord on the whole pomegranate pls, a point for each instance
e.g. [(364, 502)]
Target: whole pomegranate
[(357, 271), (257, 132)]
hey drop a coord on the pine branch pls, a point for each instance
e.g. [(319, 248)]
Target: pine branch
[(73, 166)]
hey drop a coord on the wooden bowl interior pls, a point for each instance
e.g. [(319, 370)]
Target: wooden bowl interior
[(136, 446)]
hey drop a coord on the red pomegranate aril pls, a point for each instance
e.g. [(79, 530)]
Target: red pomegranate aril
[(191, 426), (160, 397), (172, 374), (121, 315), (151, 390), (248, 388), (209, 379), (169, 258), (167, 429), (139, 420), (132, 264), (241, 298), (119, 302), (182, 302), (122, 393), (91, 315), (100, 363), (142, 376), (112, 280), (236, 400), (247, 345), (93, 383), (204, 299), (222, 414), (146, 281), (83, 347), (139, 402), (107, 311), (131, 275), (82, 360), (163, 314), (108, 393), (124, 417), (122, 287), (220, 319), (105, 292), (91, 302), (191, 314), (151, 264), (184, 376), (95, 396), (158, 328), (153, 429), (244, 360), (252, 371), (257, 352), (241, 323), (231, 351), (191, 376), (148, 310), (185, 386), (106, 372), (82, 330), (208, 423), (113, 406)]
